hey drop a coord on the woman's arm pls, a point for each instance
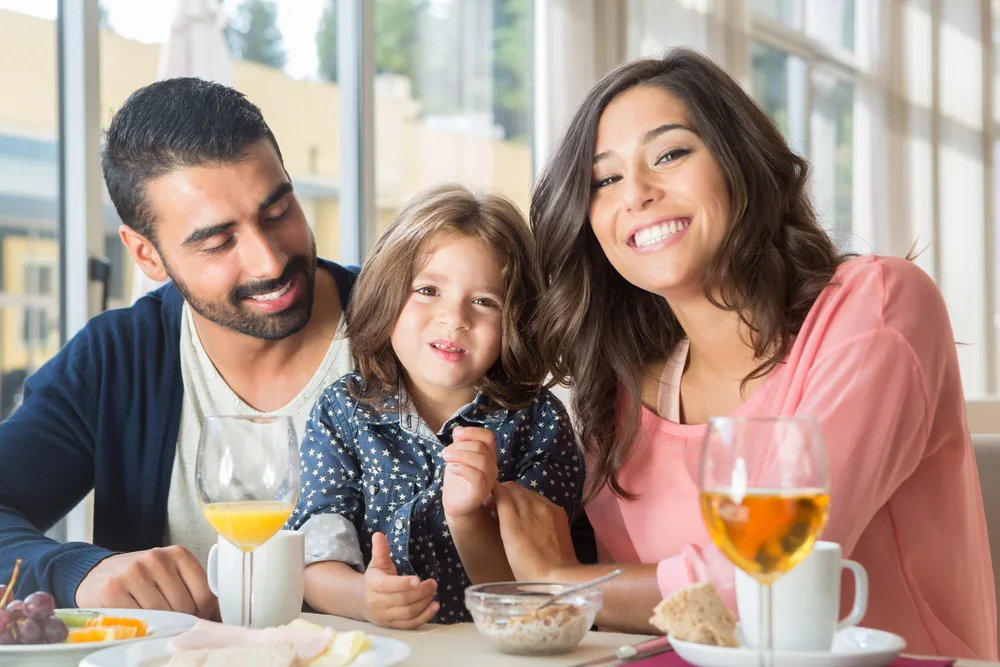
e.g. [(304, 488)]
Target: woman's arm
[(536, 538)]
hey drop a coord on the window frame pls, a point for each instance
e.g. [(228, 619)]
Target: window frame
[(850, 67)]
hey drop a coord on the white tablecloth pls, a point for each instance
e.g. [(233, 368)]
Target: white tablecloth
[(460, 645)]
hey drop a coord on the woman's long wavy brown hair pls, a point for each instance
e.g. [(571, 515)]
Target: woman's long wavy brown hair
[(597, 331), (387, 280)]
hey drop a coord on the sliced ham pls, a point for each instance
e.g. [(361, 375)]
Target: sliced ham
[(309, 644)]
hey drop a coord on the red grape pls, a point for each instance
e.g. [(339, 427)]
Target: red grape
[(28, 631), (6, 637), (16, 610), (39, 606), (54, 631)]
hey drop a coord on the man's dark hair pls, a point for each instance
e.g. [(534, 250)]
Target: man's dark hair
[(168, 125)]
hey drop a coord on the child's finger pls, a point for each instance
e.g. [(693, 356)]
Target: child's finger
[(413, 616), (466, 472), (425, 591), (475, 433), (388, 584), (475, 460), (421, 597)]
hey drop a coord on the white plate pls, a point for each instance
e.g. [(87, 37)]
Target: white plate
[(852, 647), (383, 653), (161, 624)]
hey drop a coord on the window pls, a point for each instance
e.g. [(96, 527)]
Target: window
[(452, 98), (452, 93), (802, 68), (272, 52), (803, 71), (29, 193)]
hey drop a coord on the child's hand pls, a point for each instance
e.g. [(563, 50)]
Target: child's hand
[(471, 471), (393, 601)]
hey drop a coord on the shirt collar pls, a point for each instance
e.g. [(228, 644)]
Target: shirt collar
[(398, 409)]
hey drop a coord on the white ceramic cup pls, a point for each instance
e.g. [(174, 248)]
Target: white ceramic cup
[(278, 579), (805, 602)]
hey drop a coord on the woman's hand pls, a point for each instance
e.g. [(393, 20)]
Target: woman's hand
[(535, 533)]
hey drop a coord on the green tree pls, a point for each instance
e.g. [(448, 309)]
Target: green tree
[(397, 37), (326, 42), (512, 68), (253, 34)]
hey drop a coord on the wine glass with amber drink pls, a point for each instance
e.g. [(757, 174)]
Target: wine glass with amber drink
[(765, 498)]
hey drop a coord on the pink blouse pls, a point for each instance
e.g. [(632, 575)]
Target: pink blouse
[(875, 363)]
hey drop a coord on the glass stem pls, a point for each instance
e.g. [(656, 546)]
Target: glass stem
[(765, 642), (246, 611)]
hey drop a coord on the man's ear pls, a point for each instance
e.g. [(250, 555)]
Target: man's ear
[(144, 253)]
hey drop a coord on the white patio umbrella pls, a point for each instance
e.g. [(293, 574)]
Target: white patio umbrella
[(196, 47)]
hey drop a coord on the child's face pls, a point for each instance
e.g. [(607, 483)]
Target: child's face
[(448, 333)]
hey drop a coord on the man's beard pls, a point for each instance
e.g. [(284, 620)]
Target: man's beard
[(235, 315)]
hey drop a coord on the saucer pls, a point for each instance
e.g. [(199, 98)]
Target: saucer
[(852, 647)]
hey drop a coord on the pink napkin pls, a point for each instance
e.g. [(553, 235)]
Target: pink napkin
[(673, 660)]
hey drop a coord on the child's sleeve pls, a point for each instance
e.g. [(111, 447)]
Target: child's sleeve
[(552, 464), (329, 506)]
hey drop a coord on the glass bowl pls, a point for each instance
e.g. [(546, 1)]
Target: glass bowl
[(507, 615)]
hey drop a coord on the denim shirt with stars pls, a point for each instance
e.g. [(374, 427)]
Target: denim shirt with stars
[(366, 470)]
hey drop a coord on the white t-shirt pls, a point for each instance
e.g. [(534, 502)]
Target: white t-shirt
[(206, 393)]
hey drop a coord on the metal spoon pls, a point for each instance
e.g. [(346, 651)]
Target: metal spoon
[(580, 587)]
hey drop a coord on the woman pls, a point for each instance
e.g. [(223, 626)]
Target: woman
[(687, 277)]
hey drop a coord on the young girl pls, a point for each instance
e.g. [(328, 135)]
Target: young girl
[(399, 457)]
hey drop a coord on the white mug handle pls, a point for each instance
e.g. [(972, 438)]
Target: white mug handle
[(213, 569), (860, 594)]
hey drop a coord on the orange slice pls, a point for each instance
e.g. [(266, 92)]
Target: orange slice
[(140, 626), (113, 632)]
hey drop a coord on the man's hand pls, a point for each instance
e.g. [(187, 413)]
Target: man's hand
[(470, 471), (168, 578), (393, 601)]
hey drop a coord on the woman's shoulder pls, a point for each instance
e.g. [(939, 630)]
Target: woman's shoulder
[(887, 274), (876, 295)]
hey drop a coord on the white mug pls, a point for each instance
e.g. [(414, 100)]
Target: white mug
[(278, 579), (805, 602)]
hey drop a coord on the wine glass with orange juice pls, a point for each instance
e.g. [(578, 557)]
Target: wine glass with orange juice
[(248, 475), (765, 498)]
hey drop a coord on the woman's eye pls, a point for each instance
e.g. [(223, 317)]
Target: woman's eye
[(672, 156), (427, 291), (484, 301), (604, 182)]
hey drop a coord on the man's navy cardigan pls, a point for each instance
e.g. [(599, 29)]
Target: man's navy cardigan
[(103, 414)]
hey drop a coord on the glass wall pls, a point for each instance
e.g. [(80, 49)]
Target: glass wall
[(29, 193)]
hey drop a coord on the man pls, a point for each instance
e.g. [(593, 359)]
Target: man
[(249, 324)]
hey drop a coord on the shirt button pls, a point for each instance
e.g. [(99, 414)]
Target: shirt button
[(399, 524), (236, 402), (371, 489)]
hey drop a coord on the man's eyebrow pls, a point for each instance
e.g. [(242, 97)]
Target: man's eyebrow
[(199, 235), (273, 198)]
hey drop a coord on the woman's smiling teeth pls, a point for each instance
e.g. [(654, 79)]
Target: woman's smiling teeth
[(659, 232)]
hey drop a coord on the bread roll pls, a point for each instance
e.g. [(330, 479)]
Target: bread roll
[(696, 614)]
